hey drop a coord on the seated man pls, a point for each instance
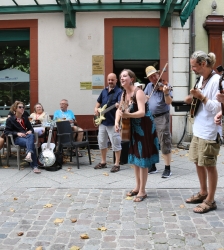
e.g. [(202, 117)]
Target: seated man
[(65, 114)]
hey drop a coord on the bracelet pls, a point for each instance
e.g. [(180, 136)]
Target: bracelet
[(166, 95), (203, 99)]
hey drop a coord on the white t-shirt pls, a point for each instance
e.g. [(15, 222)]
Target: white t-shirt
[(204, 126)]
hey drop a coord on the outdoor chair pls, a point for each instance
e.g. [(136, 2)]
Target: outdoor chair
[(11, 144), (65, 136)]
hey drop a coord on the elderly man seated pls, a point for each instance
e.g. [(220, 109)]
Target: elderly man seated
[(65, 114)]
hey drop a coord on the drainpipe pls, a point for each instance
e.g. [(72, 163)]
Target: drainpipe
[(192, 43)]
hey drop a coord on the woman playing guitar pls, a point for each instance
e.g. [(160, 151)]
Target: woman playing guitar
[(144, 146)]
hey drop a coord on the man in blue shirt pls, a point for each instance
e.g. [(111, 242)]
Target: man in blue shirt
[(159, 105), (65, 114), (110, 96)]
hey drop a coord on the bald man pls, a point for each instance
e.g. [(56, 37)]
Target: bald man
[(110, 96)]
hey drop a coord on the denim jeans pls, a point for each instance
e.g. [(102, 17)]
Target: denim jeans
[(28, 143)]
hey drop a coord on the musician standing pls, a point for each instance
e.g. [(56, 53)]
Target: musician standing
[(204, 146), (111, 95), (159, 105)]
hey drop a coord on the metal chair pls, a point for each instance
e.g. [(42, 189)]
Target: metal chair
[(11, 144), (66, 140)]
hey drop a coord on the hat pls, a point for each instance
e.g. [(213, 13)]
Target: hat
[(137, 84), (149, 71)]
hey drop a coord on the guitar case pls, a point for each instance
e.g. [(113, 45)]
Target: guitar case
[(58, 163)]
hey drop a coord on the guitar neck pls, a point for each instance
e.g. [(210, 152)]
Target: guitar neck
[(108, 109), (49, 137)]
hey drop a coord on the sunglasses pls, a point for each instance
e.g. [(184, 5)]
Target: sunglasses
[(20, 107)]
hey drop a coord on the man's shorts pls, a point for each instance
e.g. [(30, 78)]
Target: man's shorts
[(104, 133), (163, 132), (204, 152)]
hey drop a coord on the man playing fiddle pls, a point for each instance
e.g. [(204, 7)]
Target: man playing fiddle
[(160, 98)]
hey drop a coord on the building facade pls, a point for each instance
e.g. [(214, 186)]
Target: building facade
[(73, 62)]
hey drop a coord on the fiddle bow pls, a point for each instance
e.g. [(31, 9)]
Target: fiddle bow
[(157, 83)]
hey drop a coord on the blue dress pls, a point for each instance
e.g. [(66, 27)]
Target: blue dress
[(144, 143)]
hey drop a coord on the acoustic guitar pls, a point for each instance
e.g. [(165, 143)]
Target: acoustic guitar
[(47, 156), (196, 102), (99, 118), (125, 124)]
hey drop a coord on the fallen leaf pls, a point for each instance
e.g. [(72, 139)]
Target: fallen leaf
[(129, 198), (173, 214), (102, 228), (73, 220), (84, 236), (57, 221), (39, 248), (186, 154), (48, 205), (12, 210), (171, 160), (131, 166), (5, 166), (106, 174), (15, 199), (75, 248), (69, 195), (182, 206), (20, 233), (65, 177)]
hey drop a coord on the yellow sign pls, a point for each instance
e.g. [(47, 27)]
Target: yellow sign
[(97, 65), (86, 85)]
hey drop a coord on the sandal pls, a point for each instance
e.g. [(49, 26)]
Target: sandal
[(140, 198), (100, 165), (115, 169), (28, 159), (36, 170), (205, 207), (74, 153), (195, 199), (132, 193)]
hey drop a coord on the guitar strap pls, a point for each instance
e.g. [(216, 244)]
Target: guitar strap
[(110, 99), (206, 81)]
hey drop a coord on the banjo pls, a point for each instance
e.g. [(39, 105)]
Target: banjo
[(47, 157)]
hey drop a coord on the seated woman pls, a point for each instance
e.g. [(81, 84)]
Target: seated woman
[(23, 134), (38, 115)]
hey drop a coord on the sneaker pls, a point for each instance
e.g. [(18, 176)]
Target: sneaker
[(153, 170), (166, 173)]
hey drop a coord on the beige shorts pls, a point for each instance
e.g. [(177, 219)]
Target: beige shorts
[(204, 152)]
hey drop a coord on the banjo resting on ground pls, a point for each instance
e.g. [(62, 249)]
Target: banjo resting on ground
[(47, 156)]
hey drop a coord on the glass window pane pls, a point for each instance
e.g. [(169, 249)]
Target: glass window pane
[(152, 1), (7, 3), (26, 2), (14, 54), (131, 1), (88, 1), (110, 1), (44, 2)]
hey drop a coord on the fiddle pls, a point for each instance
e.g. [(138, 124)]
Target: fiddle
[(161, 84)]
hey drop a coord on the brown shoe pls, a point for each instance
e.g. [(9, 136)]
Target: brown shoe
[(205, 207), (100, 165), (115, 169), (195, 199)]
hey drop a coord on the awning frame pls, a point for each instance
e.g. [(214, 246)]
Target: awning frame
[(71, 7)]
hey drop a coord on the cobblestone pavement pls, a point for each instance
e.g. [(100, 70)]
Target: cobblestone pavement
[(33, 205)]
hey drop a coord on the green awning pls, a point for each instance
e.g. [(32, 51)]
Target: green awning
[(187, 10), (70, 7)]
